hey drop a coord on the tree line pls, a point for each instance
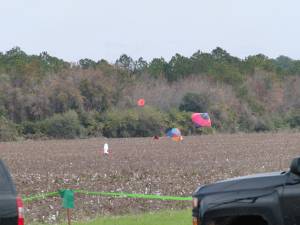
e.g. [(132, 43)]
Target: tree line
[(42, 96)]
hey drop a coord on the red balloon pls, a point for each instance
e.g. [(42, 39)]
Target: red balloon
[(141, 102)]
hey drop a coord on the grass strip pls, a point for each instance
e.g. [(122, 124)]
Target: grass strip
[(169, 217)]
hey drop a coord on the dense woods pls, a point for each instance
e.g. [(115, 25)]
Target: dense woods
[(42, 96)]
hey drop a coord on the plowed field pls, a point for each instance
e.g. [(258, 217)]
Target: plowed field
[(137, 165)]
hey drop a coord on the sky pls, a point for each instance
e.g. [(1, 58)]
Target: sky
[(105, 29)]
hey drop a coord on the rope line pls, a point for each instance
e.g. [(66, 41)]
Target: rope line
[(108, 194)]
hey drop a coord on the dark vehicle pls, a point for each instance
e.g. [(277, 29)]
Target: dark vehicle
[(11, 206), (261, 199)]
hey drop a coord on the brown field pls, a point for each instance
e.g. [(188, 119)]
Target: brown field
[(137, 165)]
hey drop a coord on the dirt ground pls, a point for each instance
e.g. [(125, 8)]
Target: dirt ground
[(137, 165)]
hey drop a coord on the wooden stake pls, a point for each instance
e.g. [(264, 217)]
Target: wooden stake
[(69, 216)]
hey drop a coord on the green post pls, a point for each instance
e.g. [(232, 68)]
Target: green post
[(68, 201)]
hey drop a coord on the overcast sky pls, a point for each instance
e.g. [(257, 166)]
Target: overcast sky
[(76, 29)]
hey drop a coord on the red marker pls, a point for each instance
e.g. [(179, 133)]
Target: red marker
[(141, 102)]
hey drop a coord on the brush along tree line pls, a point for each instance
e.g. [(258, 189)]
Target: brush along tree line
[(42, 96)]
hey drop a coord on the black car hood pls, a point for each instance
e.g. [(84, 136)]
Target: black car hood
[(245, 183)]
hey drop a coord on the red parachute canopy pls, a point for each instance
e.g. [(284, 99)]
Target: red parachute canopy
[(141, 102), (201, 119)]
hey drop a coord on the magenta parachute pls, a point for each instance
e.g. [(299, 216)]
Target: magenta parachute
[(201, 119)]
